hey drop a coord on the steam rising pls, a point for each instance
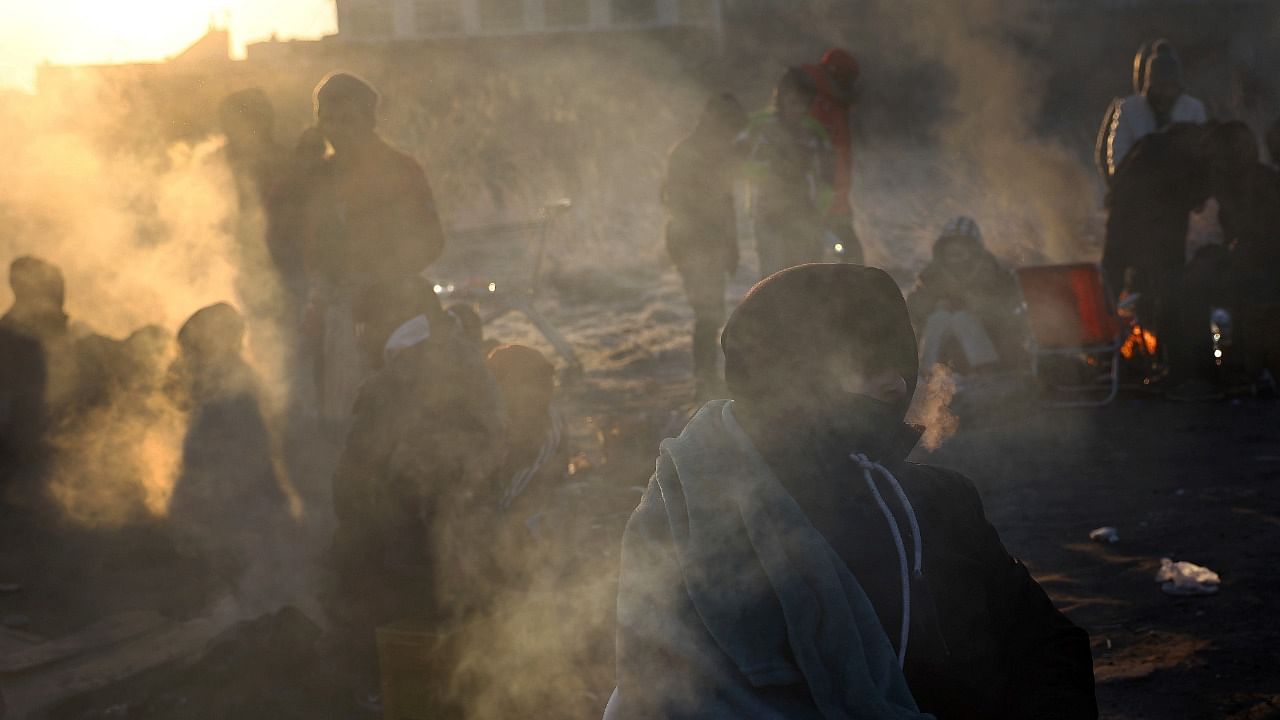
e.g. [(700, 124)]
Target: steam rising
[(931, 408), (151, 237), (1033, 197)]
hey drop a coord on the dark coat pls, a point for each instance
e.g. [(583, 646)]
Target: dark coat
[(982, 286), (986, 641), (228, 495), (370, 217), (992, 645), (1249, 212), (702, 229), (424, 441), (1160, 182)]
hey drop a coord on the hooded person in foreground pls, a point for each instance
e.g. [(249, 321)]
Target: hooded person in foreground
[(787, 562)]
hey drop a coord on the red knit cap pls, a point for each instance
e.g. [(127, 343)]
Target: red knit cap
[(842, 64)]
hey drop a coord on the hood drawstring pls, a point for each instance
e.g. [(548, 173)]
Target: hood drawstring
[(867, 465)]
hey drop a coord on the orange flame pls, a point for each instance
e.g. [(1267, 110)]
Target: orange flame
[(1141, 340)]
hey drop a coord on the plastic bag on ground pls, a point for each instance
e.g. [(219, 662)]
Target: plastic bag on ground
[(1184, 578)]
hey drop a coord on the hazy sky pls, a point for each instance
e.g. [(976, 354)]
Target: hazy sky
[(102, 31)]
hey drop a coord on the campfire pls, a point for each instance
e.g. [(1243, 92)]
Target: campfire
[(1140, 342)]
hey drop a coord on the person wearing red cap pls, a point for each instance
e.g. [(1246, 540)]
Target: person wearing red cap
[(834, 79), (786, 560)]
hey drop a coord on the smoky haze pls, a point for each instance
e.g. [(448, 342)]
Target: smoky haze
[(145, 225)]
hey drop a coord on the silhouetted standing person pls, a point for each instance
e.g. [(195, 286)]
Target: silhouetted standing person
[(371, 218), (789, 167), (269, 237), (1162, 180), (702, 231), (37, 313), (24, 416), (1160, 103)]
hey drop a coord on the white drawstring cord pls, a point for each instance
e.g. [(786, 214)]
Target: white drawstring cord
[(867, 465)]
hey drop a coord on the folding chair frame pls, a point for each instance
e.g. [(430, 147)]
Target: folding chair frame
[(1112, 349), (522, 301)]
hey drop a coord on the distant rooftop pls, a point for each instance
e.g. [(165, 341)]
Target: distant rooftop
[(382, 20)]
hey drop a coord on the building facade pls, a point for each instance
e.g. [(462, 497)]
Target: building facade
[(383, 20)]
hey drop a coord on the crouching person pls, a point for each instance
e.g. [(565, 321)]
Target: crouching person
[(426, 435), (965, 300), (786, 561), (537, 454)]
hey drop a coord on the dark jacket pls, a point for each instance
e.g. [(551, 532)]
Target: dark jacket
[(1249, 212), (992, 645), (702, 227), (1161, 180), (425, 439), (982, 286), (986, 642), (370, 217)]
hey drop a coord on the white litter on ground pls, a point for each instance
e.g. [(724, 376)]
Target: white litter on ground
[(1106, 534), (1184, 578)]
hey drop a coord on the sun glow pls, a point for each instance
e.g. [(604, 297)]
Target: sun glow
[(74, 32)]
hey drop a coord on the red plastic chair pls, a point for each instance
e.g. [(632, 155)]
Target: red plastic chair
[(1070, 314)]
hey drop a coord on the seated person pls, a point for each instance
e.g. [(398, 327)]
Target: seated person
[(229, 497), (964, 297), (23, 417), (37, 313), (787, 562), (426, 437)]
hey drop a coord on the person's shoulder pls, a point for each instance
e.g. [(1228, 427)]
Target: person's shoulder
[(1191, 105), (816, 129), (1128, 109), (648, 521), (682, 150), (938, 485), (400, 161), (760, 120)]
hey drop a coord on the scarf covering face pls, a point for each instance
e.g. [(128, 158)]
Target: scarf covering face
[(780, 341), (760, 599)]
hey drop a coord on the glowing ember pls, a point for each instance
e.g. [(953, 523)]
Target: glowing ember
[(1139, 341)]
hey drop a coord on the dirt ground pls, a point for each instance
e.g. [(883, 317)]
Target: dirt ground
[(1189, 482)]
